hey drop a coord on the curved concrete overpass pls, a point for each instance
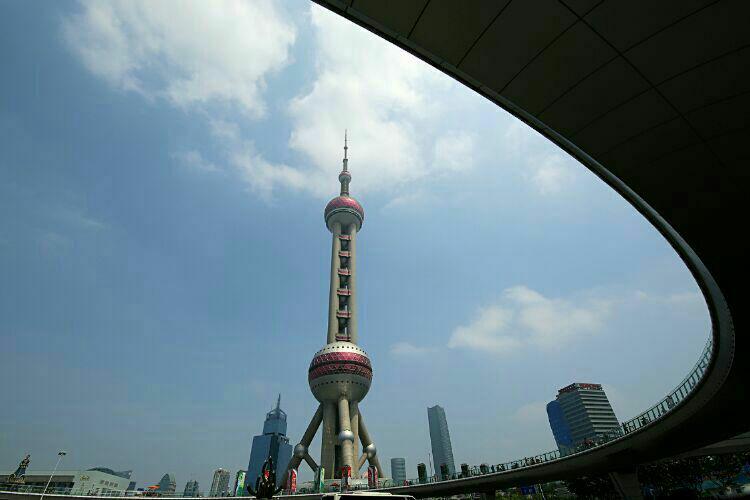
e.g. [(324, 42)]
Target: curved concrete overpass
[(654, 98)]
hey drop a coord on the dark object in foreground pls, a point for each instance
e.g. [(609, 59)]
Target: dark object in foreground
[(265, 484)]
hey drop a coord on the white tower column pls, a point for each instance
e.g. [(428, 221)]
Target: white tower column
[(333, 300)]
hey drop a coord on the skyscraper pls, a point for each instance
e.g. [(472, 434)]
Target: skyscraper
[(559, 426), (191, 489), (272, 443), (580, 412), (167, 485), (340, 373), (239, 484), (398, 470), (220, 484), (440, 438)]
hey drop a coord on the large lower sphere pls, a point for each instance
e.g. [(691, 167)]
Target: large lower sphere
[(340, 369)]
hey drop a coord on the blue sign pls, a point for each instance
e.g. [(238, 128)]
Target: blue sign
[(528, 490)]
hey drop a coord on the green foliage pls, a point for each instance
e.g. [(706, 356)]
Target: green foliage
[(592, 487), (681, 477)]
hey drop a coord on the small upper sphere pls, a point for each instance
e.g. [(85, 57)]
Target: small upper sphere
[(345, 210)]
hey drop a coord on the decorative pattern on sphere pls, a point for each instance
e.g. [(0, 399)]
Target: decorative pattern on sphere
[(339, 362), (343, 203), (340, 369)]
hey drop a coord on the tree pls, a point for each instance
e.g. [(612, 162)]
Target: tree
[(592, 487), (724, 469)]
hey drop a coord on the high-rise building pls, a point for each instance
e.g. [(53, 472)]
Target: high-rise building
[(167, 485), (559, 426), (220, 484), (191, 489), (272, 443), (398, 470), (440, 438), (580, 412), (340, 373), (239, 484)]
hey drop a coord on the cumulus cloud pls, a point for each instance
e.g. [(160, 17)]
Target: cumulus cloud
[(525, 317), (387, 99), (188, 52)]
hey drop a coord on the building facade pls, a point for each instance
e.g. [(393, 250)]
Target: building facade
[(440, 438), (167, 485), (191, 489), (96, 481), (559, 426), (340, 373), (398, 470), (582, 413), (239, 484), (272, 443), (220, 483)]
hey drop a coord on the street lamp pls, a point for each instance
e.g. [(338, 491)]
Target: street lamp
[(60, 454)]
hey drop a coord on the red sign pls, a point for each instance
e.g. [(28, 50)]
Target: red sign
[(372, 476), (572, 387), (292, 481)]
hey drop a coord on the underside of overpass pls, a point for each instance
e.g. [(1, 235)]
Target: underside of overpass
[(654, 98)]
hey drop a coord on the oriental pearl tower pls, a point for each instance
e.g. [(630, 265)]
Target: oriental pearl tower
[(340, 373)]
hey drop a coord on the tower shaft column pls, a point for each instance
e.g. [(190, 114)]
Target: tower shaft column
[(333, 300), (328, 443), (353, 283), (345, 429)]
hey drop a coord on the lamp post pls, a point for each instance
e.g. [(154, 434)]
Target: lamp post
[(60, 454)]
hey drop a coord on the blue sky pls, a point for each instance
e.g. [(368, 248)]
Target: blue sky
[(163, 173)]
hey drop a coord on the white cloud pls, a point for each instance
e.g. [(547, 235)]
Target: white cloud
[(551, 174), (386, 98), (406, 349), (188, 52), (194, 160), (525, 317)]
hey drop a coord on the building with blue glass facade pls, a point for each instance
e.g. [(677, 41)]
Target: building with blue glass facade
[(272, 443), (581, 413), (559, 426)]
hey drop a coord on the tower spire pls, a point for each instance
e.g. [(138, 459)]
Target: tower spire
[(278, 402), (345, 177)]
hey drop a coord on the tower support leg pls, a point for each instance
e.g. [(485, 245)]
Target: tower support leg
[(307, 438), (364, 436), (354, 417), (626, 484)]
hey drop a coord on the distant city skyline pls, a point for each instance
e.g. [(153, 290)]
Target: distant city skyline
[(166, 268)]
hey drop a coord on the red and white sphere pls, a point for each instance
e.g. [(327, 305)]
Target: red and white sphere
[(346, 211), (340, 369)]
